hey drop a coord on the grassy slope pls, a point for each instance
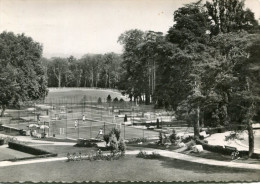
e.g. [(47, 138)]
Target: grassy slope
[(75, 95), (7, 153)]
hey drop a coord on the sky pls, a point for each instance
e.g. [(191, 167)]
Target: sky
[(78, 27)]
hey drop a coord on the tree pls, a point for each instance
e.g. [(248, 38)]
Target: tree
[(191, 25), (210, 60), (58, 67), (149, 57), (246, 94), (134, 73), (21, 73), (91, 64), (75, 72), (230, 16), (110, 70), (109, 99), (187, 60)]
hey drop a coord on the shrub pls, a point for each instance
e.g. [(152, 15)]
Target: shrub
[(113, 144), (115, 100), (86, 143), (190, 144), (106, 138), (143, 154), (160, 138), (99, 100), (109, 99), (137, 140), (187, 139), (173, 136), (122, 146), (125, 118), (115, 131), (157, 123), (121, 100), (232, 136), (201, 137), (2, 141)]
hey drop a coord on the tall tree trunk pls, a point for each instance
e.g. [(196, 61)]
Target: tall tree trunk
[(197, 123), (250, 114), (147, 98), (59, 80), (106, 80), (85, 81), (97, 79), (92, 78), (3, 110), (250, 138)]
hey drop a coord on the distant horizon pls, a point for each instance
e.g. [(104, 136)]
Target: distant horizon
[(80, 27)]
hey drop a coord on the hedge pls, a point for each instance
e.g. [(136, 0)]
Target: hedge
[(27, 149), (224, 129), (33, 157), (87, 142)]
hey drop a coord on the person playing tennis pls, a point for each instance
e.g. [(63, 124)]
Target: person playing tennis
[(100, 133)]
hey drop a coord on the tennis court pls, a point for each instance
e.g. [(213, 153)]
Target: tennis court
[(60, 119)]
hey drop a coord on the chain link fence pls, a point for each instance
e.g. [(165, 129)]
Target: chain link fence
[(75, 117)]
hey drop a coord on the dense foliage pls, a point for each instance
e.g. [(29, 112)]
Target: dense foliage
[(22, 76), (92, 70), (206, 68)]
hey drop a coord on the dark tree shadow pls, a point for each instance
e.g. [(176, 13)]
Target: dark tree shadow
[(201, 168)]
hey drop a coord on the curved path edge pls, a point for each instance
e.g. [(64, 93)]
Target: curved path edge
[(163, 153)]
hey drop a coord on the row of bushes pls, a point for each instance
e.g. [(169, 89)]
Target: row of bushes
[(87, 143), (145, 155), (32, 157), (137, 140), (109, 100), (94, 156), (224, 129), (27, 149)]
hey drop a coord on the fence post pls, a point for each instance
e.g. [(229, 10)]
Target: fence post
[(78, 128), (66, 122), (90, 129), (104, 128), (124, 131)]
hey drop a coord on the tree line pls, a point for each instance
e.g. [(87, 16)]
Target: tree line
[(92, 70), (206, 68)]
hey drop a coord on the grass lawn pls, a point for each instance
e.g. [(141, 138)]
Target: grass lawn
[(52, 139), (68, 95), (128, 168), (62, 150), (7, 153)]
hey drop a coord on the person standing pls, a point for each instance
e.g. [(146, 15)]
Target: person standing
[(100, 133), (83, 118)]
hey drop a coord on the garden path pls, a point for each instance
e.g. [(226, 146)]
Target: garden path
[(164, 153)]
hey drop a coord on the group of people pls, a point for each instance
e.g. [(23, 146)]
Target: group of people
[(100, 133)]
